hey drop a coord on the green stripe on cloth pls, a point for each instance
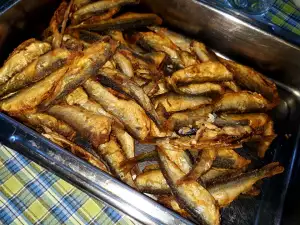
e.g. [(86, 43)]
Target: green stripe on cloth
[(30, 194)]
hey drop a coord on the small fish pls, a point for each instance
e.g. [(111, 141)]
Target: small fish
[(125, 140), (128, 112), (228, 190), (98, 8), (231, 85), (243, 101), (80, 98), (73, 44), (41, 120), (175, 102), (76, 150), (35, 71), (207, 89), (119, 81), (202, 52), (252, 80), (229, 159), (21, 57), (79, 3), (182, 42), (170, 202), (204, 162), (88, 65), (201, 73), (128, 20), (152, 182), (124, 64), (90, 37), (190, 195), (95, 128), (153, 41), (108, 14), (149, 167), (216, 173), (113, 155), (188, 59)]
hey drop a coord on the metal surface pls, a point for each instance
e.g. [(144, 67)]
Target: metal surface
[(222, 32)]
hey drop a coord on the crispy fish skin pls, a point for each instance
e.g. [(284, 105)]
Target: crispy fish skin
[(76, 150), (124, 64), (73, 44), (252, 80), (204, 162), (231, 85), (40, 120), (89, 64), (97, 8), (149, 167), (175, 102), (243, 101), (125, 21), (228, 190), (202, 52), (128, 112), (27, 99), (188, 59), (114, 156), (104, 16), (80, 98), (125, 140), (152, 182), (95, 128), (35, 71), (182, 42), (151, 40), (186, 118), (215, 173), (229, 159), (21, 57), (201, 89), (119, 81), (170, 202), (190, 195), (201, 73)]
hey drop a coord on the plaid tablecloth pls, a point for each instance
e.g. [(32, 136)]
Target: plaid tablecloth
[(31, 195)]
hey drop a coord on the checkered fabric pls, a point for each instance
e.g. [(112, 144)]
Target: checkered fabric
[(283, 13), (31, 195)]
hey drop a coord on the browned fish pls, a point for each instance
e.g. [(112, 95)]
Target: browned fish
[(243, 101), (21, 57), (88, 65), (252, 80), (228, 190), (207, 89), (190, 195), (175, 102), (170, 202), (124, 64), (98, 8), (114, 156), (76, 150), (229, 159), (95, 128), (231, 85), (118, 81), (125, 141), (126, 21), (128, 112), (35, 71), (41, 120), (202, 52), (201, 73)]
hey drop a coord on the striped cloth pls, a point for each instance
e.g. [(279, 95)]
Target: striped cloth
[(30, 194)]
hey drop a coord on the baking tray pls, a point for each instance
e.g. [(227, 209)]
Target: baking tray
[(224, 33)]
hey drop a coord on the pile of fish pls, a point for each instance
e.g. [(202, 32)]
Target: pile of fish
[(97, 76)]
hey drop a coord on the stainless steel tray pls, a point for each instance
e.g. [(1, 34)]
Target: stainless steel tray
[(230, 36)]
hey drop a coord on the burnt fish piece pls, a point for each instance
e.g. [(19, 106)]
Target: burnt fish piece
[(126, 21), (35, 71), (252, 80), (21, 57)]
